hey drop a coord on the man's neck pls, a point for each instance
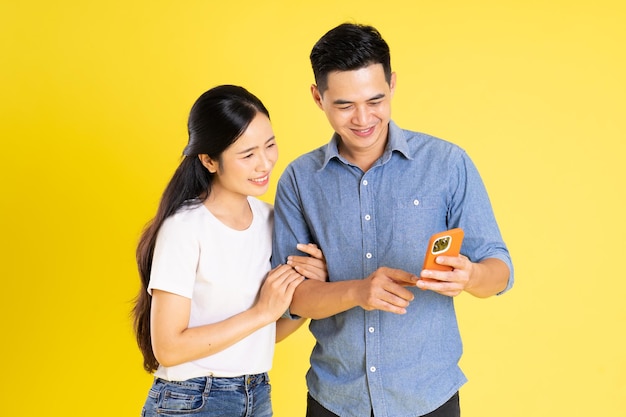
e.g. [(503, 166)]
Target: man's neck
[(363, 158)]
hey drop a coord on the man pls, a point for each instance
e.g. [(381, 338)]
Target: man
[(387, 341)]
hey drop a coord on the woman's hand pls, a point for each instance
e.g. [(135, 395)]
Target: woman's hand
[(277, 291), (312, 266)]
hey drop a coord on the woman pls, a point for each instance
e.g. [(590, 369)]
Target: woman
[(208, 313)]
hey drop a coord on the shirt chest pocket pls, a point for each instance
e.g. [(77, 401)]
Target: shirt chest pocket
[(415, 218), (419, 203)]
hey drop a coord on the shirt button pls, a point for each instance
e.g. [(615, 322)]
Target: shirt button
[(416, 202), (367, 217), (368, 255), (371, 330), (364, 182), (373, 369)]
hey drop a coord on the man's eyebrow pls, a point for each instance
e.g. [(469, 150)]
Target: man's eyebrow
[(254, 147), (340, 102)]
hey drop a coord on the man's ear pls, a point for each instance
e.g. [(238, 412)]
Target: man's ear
[(317, 96), (208, 163), (392, 83)]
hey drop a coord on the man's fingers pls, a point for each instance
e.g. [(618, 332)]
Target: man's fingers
[(399, 276)]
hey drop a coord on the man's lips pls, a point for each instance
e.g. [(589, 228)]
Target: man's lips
[(363, 132)]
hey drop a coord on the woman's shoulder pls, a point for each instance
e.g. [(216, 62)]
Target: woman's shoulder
[(190, 213)]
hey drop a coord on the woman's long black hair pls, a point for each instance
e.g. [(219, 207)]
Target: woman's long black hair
[(216, 120)]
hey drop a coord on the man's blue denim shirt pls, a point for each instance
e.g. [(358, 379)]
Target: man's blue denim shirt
[(403, 365)]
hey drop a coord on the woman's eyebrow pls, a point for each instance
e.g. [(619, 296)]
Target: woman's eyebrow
[(254, 147)]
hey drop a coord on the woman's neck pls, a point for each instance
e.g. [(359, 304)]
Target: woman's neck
[(233, 211)]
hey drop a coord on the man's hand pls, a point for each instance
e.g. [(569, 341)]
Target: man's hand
[(450, 283), (384, 290), (482, 279)]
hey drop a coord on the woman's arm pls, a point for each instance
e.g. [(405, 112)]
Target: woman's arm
[(312, 267), (174, 342)]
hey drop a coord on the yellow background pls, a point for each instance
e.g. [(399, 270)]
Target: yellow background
[(94, 101)]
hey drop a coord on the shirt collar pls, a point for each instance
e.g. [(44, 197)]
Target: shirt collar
[(396, 142)]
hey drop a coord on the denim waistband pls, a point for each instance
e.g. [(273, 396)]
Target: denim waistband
[(248, 381)]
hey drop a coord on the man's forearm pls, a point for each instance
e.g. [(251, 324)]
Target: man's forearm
[(318, 300), (489, 277)]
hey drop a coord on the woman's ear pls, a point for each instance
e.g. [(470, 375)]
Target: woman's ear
[(208, 163)]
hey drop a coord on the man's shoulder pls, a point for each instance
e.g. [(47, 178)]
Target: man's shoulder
[(311, 160), (415, 136), (419, 142)]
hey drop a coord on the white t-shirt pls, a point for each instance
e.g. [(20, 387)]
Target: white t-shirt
[(221, 270)]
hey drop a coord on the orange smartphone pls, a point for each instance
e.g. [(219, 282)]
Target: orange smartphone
[(446, 243)]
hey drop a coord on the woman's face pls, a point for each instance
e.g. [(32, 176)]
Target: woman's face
[(245, 166)]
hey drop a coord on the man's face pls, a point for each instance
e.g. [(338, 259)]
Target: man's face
[(358, 106)]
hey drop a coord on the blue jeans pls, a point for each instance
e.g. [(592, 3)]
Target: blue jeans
[(244, 396)]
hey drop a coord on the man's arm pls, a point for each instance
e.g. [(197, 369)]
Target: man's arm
[(489, 277), (471, 210), (382, 290)]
